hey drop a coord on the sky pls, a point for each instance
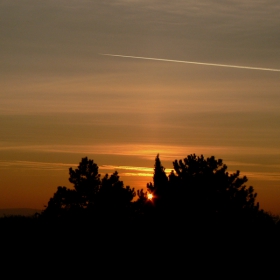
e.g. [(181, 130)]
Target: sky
[(61, 100)]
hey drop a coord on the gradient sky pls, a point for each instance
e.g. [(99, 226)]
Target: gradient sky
[(61, 100)]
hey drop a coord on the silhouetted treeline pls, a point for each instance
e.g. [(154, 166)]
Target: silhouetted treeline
[(199, 191), (92, 196), (199, 206)]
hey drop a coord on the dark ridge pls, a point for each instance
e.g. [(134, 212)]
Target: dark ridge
[(18, 212)]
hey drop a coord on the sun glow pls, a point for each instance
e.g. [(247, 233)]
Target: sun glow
[(150, 196)]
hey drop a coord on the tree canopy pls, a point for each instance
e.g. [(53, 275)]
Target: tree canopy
[(90, 193), (202, 188), (197, 189)]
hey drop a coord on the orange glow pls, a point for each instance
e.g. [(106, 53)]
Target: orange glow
[(150, 196)]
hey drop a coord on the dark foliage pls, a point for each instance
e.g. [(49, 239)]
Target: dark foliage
[(90, 195), (200, 215), (199, 192), (201, 188)]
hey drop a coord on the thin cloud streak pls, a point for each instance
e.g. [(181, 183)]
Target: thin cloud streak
[(193, 62), (35, 165), (132, 168), (135, 171), (142, 150), (269, 176)]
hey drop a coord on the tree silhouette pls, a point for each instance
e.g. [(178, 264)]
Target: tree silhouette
[(64, 201), (160, 186), (86, 181), (113, 198), (90, 194), (202, 189), (199, 190)]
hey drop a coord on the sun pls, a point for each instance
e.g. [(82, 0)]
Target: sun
[(150, 196)]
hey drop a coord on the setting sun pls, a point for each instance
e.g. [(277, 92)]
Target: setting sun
[(150, 196)]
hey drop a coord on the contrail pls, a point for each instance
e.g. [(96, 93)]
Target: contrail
[(193, 62)]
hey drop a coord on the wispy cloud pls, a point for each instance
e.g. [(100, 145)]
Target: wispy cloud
[(134, 168), (263, 176), (125, 171), (141, 150), (59, 166), (35, 165)]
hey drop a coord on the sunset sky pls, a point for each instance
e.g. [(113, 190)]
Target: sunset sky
[(60, 100)]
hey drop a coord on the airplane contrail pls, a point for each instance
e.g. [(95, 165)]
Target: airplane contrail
[(192, 62)]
